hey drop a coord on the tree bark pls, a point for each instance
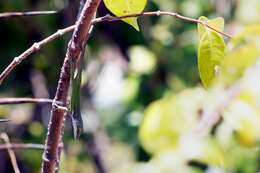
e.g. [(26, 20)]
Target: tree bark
[(60, 105)]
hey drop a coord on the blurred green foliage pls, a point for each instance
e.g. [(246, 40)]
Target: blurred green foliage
[(142, 95)]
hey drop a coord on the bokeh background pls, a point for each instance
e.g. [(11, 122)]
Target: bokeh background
[(126, 71)]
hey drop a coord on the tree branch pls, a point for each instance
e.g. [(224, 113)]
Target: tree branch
[(35, 47), (107, 18), (23, 14), (74, 50)]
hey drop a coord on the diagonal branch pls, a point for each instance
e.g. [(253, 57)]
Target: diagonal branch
[(12, 156), (59, 111), (107, 18), (34, 48), (23, 14)]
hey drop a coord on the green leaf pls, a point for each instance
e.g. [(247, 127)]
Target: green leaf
[(125, 7), (211, 50)]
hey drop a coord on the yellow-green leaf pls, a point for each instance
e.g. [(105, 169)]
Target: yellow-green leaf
[(210, 56), (249, 34), (168, 119), (211, 49), (237, 61), (125, 7), (217, 23)]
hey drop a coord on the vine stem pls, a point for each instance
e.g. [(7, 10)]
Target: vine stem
[(107, 18), (23, 14), (59, 111)]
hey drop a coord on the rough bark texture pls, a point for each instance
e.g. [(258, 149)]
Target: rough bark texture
[(59, 108)]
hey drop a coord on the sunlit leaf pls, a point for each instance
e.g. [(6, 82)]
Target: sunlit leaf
[(210, 56), (251, 33), (211, 50), (237, 61), (166, 120), (244, 119), (142, 60), (125, 7), (213, 154), (217, 23)]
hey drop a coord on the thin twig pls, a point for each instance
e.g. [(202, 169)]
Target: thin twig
[(23, 14), (35, 47), (107, 18), (21, 146), (110, 18), (5, 138), (5, 101)]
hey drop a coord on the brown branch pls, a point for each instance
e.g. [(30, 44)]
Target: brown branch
[(108, 18), (58, 114), (81, 6), (23, 14), (21, 146), (5, 101)]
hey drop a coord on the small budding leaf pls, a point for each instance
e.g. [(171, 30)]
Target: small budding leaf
[(211, 50), (125, 7)]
